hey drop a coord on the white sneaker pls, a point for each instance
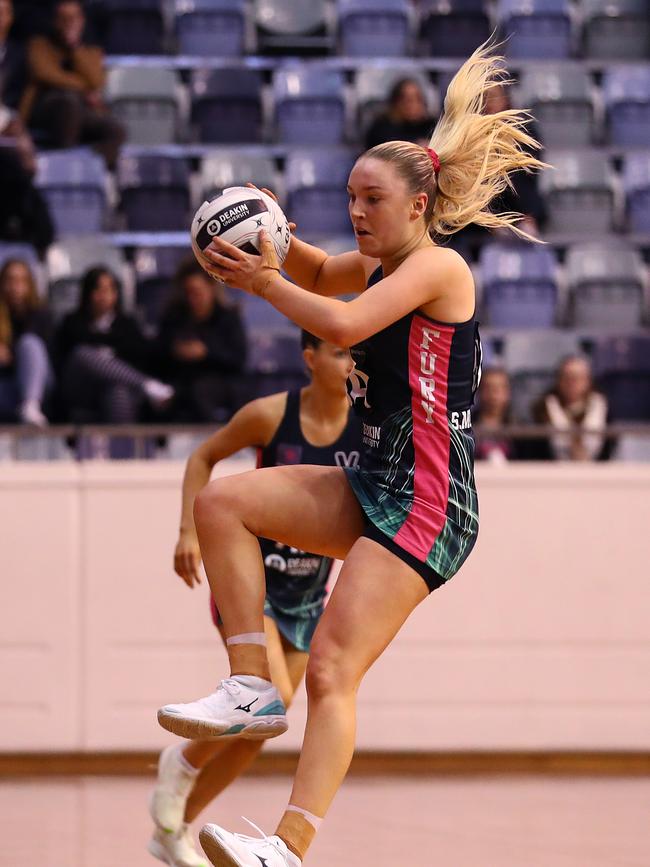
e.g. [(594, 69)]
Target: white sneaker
[(159, 393), (237, 850), (173, 787), (30, 412), (177, 850), (234, 710)]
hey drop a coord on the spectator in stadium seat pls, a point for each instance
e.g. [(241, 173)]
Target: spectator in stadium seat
[(494, 412), (63, 98), (25, 331), (202, 348), (407, 117), (103, 357), (12, 59), (577, 412)]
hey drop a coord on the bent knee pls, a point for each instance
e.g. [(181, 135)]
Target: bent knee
[(328, 672), (217, 501)]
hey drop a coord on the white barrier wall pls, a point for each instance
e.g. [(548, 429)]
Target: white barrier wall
[(541, 642)]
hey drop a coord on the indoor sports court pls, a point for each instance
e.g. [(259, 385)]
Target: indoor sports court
[(253, 242)]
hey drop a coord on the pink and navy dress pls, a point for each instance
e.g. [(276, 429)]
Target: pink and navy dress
[(413, 384)]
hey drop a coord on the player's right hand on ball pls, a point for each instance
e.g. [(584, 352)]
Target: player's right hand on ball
[(292, 226), (187, 558)]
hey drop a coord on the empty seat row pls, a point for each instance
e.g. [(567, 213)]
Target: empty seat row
[(373, 28), (310, 103), (157, 192), (601, 285)]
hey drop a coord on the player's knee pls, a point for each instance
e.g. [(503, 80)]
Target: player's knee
[(215, 503), (327, 672)]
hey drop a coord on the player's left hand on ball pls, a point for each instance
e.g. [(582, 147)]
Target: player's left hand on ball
[(236, 268)]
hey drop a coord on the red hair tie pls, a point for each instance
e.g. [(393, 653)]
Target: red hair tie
[(435, 160)]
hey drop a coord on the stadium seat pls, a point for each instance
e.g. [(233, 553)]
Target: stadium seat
[(25, 252), (234, 168), (626, 90), (622, 366), (154, 272), (536, 28), (134, 27), (275, 360), (154, 192), (309, 105), (616, 29), (373, 83), (532, 358), (374, 28), (636, 183), (211, 28), (227, 104), (70, 258), (519, 285), (579, 192), (292, 26), (73, 183), (316, 191), (453, 28), (560, 99), (144, 99), (606, 285)]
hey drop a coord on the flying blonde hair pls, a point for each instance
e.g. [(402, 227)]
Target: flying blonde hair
[(477, 152)]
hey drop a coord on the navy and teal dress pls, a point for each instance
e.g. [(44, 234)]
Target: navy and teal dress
[(413, 385), (296, 581)]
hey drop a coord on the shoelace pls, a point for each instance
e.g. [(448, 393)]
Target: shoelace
[(263, 838), (230, 686)]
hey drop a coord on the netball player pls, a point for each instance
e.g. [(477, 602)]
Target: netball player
[(407, 518), (312, 426)]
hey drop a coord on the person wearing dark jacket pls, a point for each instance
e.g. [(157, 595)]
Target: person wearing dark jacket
[(102, 356), (25, 330), (407, 117), (202, 348), (12, 59), (64, 93)]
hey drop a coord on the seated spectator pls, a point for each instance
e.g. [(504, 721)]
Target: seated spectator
[(63, 98), (102, 356), (493, 413), (407, 117), (24, 213), (25, 330), (12, 59), (577, 412), (202, 348)]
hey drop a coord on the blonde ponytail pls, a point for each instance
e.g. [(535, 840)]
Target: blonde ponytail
[(478, 151)]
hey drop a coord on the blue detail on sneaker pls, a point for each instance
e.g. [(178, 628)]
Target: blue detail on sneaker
[(233, 730), (275, 707)]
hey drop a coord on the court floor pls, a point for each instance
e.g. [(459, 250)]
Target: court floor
[(378, 821)]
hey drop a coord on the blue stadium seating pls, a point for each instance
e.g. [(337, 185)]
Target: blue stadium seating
[(154, 271), (636, 183), (374, 28), (519, 285), (144, 99), (536, 28), (453, 28), (559, 96), (227, 167), (134, 27), (616, 29), (579, 192), (606, 285), (626, 90), (316, 191), (292, 26), (211, 28), (154, 192), (275, 359), (622, 365), (73, 183), (26, 252), (227, 104), (309, 105)]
